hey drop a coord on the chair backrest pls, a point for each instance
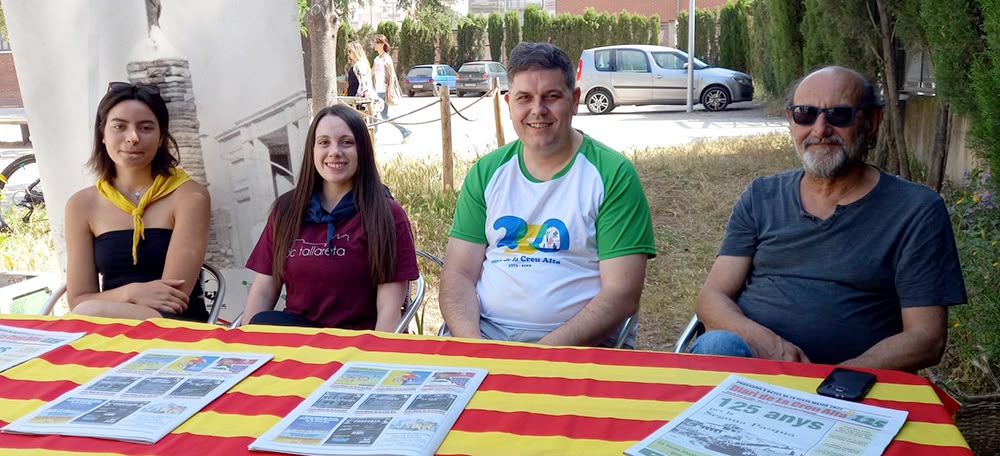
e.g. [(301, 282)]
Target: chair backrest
[(693, 329), (213, 285)]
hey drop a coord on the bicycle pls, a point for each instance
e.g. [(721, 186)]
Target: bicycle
[(20, 185)]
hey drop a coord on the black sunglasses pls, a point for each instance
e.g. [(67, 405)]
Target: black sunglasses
[(837, 116), (119, 86)]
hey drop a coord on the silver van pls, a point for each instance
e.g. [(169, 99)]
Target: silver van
[(641, 74)]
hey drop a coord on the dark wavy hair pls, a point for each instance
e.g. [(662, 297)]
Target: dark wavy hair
[(541, 56), (164, 160), (370, 196)]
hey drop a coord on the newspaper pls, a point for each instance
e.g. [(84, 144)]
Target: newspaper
[(750, 418), (144, 398), (371, 408), (18, 345)]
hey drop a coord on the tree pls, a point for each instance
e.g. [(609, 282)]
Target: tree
[(494, 30), (321, 25), (784, 40), (470, 39), (511, 33), (654, 29), (3, 25), (535, 24), (734, 38)]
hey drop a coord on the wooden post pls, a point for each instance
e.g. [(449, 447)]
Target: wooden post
[(496, 111), (447, 160)]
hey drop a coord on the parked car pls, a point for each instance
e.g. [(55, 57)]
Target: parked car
[(475, 77), (426, 78), (639, 74)]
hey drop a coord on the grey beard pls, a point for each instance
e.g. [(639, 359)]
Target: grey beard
[(836, 162)]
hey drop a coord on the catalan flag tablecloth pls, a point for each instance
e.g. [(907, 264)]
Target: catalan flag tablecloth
[(535, 401)]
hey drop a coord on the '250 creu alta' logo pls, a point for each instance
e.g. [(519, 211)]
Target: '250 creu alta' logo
[(524, 238)]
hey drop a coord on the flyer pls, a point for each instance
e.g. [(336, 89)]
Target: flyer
[(144, 398), (372, 408), (750, 418), (18, 345)]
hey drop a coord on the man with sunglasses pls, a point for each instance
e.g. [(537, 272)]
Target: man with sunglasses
[(836, 262)]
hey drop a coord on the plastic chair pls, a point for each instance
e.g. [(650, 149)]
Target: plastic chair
[(627, 326), (693, 329), (213, 284)]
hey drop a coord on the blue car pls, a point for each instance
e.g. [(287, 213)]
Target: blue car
[(426, 78)]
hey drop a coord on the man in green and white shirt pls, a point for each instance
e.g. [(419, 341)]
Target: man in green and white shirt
[(552, 232)]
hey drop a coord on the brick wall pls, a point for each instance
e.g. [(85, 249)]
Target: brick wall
[(10, 91)]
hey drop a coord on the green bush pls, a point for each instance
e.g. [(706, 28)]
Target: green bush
[(494, 30), (734, 38), (975, 327), (511, 32), (536, 24)]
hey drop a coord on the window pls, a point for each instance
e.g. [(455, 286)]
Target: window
[(669, 60), (4, 45), (602, 60), (632, 61)]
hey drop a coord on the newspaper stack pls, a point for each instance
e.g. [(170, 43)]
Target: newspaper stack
[(143, 399), (371, 408), (18, 345), (750, 418)]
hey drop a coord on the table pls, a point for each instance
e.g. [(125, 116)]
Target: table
[(536, 400)]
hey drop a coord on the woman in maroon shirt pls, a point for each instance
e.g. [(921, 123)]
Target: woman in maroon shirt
[(338, 242)]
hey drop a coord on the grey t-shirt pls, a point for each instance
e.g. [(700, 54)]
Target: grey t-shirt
[(835, 287)]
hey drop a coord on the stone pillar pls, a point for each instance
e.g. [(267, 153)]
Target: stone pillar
[(173, 77)]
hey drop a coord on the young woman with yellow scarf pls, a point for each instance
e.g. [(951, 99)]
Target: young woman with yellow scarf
[(136, 240)]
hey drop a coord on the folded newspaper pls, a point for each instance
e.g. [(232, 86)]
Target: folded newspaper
[(18, 345), (373, 408), (750, 418), (144, 398)]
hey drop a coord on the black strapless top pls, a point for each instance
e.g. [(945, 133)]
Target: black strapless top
[(113, 257)]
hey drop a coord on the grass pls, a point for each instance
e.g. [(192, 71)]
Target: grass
[(691, 190), (28, 246)]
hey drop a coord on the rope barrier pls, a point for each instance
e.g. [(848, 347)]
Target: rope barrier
[(394, 120)]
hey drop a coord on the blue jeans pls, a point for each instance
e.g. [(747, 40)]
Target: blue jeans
[(385, 115), (723, 343), (280, 318)]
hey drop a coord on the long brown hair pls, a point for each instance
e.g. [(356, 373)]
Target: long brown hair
[(370, 196)]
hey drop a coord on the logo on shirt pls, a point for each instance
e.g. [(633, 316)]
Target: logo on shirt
[(521, 237), (301, 248)]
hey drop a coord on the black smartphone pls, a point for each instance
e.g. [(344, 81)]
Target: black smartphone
[(846, 384)]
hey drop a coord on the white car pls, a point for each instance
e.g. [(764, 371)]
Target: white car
[(642, 74)]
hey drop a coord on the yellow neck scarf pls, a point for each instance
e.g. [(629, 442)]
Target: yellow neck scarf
[(162, 186)]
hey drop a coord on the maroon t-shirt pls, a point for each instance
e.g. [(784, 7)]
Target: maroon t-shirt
[(330, 285)]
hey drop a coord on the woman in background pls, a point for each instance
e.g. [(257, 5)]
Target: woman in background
[(386, 83), (135, 241), (338, 242)]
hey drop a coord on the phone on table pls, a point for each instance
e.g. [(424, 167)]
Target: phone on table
[(846, 384)]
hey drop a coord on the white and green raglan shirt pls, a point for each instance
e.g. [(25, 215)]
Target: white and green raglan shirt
[(544, 239)]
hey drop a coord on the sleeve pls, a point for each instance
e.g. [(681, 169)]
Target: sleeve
[(469, 223), (741, 231), (263, 253), (928, 272), (624, 223), (406, 257)]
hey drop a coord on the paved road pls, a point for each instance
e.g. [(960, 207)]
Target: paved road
[(627, 127)]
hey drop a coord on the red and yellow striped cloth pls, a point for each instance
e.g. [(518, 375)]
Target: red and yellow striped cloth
[(535, 400)]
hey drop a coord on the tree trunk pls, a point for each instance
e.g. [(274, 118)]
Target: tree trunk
[(939, 151), (892, 95), (321, 24)]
